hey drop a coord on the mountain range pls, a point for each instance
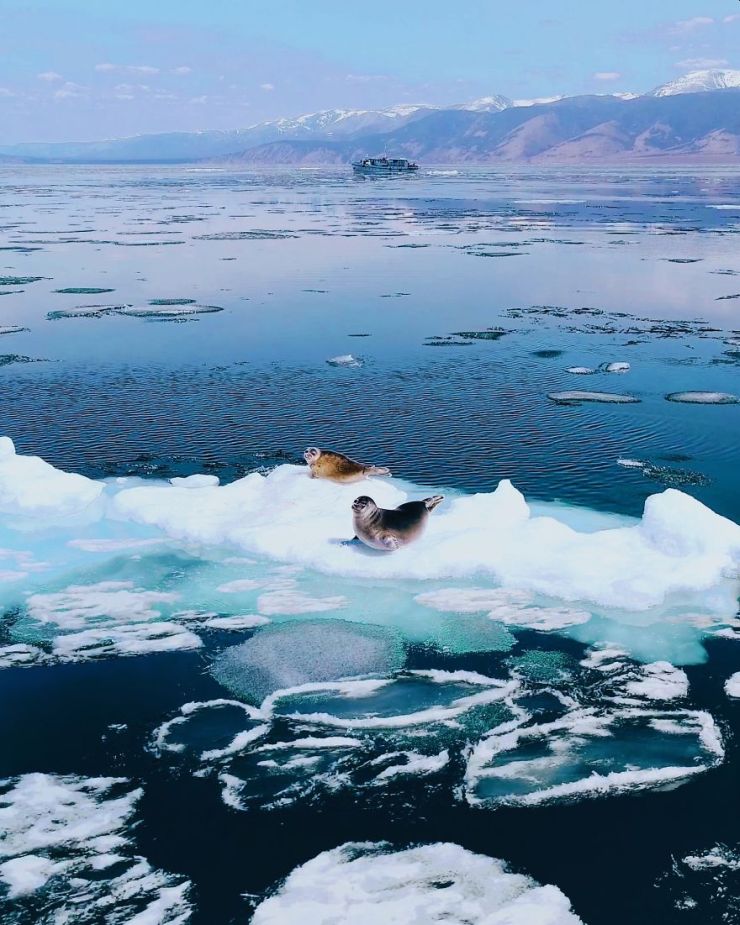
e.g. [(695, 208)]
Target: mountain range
[(693, 119)]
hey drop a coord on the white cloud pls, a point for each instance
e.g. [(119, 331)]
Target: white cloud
[(366, 78), (5, 92), (689, 25), (50, 76), (70, 90), (700, 64), (607, 75), (267, 86), (181, 71), (733, 17), (129, 68), (198, 100)]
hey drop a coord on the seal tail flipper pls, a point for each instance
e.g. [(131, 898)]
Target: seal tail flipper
[(377, 470), (431, 503)]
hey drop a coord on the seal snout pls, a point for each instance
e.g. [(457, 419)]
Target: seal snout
[(359, 504)]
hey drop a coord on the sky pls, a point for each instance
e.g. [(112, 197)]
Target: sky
[(79, 70)]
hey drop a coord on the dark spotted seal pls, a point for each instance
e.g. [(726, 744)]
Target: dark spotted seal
[(383, 529), (326, 464)]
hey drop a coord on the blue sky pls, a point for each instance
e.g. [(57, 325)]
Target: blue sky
[(94, 69)]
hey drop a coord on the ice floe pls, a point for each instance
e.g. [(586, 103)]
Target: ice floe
[(581, 370), (574, 396), (346, 360), (616, 367), (366, 883), (68, 855), (590, 752), (704, 398), (80, 555), (732, 685)]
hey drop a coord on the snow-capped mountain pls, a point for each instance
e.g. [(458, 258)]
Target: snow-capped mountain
[(486, 104), (342, 122), (699, 82)]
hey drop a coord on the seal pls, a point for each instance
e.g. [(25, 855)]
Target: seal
[(326, 464), (390, 529)]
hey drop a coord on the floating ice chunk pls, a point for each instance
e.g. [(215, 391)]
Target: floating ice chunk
[(414, 698), (580, 370), (589, 753), (196, 481), (11, 329), (679, 548), (732, 685), (136, 639), (415, 763), (27, 873), (704, 398), (236, 622), (659, 681), (166, 311), (573, 396), (719, 856), (19, 654), (616, 367), (67, 849), (346, 360), (631, 463), (604, 658), (291, 654), (80, 606), (30, 486), (369, 883)]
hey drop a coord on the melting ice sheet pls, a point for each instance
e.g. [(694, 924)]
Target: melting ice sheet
[(67, 855), (126, 566), (527, 737), (367, 883)]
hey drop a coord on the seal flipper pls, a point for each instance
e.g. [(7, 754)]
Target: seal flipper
[(390, 542), (431, 503), (377, 470)]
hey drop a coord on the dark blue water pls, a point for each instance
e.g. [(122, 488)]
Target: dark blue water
[(575, 270)]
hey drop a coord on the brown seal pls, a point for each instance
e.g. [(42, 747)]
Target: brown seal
[(389, 529), (326, 464)]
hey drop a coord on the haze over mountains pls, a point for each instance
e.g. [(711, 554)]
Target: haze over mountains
[(693, 119)]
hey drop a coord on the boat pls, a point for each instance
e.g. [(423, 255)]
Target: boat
[(384, 165)]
